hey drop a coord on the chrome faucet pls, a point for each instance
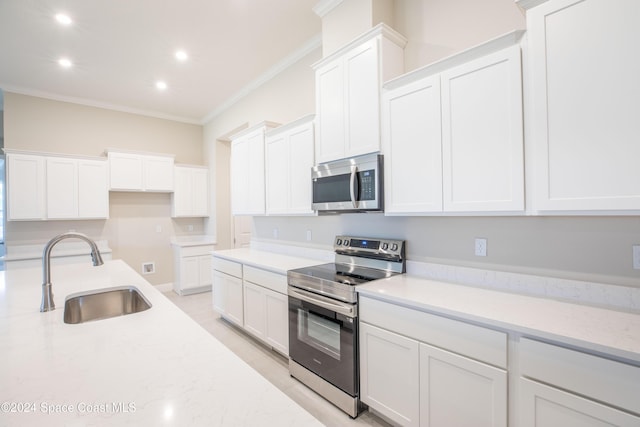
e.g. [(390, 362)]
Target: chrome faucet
[(47, 294)]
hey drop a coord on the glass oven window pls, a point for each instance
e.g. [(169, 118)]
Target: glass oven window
[(319, 332)]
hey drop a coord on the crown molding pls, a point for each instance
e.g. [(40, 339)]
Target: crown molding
[(325, 6)]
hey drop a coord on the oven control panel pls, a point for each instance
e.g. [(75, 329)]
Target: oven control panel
[(366, 246)]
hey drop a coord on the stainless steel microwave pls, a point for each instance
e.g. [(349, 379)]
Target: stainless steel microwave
[(348, 185)]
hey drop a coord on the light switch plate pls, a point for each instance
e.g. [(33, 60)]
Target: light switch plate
[(636, 257), (481, 247)]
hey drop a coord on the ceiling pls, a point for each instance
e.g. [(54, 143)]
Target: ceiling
[(121, 48)]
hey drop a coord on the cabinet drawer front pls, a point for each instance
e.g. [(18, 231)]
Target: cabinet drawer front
[(274, 281), (196, 250), (230, 267), (602, 379), (476, 342)]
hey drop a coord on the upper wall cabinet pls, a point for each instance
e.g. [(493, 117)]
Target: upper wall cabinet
[(49, 187), (452, 134), (348, 87), (190, 197), (247, 170), (288, 160), (131, 171), (582, 109)]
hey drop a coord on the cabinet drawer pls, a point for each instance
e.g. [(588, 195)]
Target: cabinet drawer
[(602, 379), (230, 267), (274, 281), (196, 250), (476, 342)]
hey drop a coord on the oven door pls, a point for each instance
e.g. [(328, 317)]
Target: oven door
[(323, 337)]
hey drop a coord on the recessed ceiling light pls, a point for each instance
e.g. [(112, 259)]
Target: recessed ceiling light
[(65, 63), (181, 55), (160, 85), (63, 19)]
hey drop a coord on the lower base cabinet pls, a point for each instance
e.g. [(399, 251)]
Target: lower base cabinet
[(545, 406), (227, 297), (265, 316)]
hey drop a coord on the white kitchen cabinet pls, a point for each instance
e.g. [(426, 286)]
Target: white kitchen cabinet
[(561, 386), (289, 154), (582, 106), (130, 171), (192, 268), (444, 372), (482, 134), (76, 188), (26, 187), (266, 307), (190, 197), (228, 290), (46, 187), (458, 122), (348, 88), (458, 391), (247, 170), (412, 146), (390, 374)]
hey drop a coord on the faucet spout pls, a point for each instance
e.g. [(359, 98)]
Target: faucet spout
[(47, 290)]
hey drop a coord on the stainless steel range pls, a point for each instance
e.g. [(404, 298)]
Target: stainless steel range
[(323, 315)]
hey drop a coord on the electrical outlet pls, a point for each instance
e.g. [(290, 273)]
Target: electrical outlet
[(636, 257), (481, 247), (275, 233), (308, 235)]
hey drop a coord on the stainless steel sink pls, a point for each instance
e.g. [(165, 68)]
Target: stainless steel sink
[(103, 304)]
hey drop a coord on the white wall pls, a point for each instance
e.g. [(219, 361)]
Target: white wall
[(587, 248), (37, 124)]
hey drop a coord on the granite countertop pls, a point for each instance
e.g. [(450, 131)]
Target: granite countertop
[(277, 263), (156, 367), (193, 240), (616, 333)]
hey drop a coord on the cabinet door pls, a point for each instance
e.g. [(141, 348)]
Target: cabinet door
[(26, 187), (362, 85), (204, 268), (227, 297), (544, 406), (277, 174), (301, 149), (93, 189), (239, 176), (256, 203), (189, 270), (254, 310), (62, 188), (330, 107), (456, 391), (277, 321), (158, 173), (182, 197), (412, 148), (125, 172), (200, 192), (482, 134), (585, 132), (389, 374)]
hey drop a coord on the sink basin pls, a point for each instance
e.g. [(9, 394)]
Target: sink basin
[(103, 304)]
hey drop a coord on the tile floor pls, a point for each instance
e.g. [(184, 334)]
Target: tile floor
[(268, 363)]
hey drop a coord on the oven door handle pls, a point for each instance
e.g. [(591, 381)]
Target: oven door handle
[(348, 310), (353, 191)]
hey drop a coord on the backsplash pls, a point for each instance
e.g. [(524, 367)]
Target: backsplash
[(576, 291)]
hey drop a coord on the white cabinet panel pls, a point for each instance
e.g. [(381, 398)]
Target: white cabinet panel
[(26, 187), (190, 197), (289, 157), (192, 269), (227, 297), (390, 374), (583, 107), (482, 134), (254, 310), (93, 189), (411, 143), (248, 171), (277, 321), (544, 406), (457, 391), (140, 172), (348, 88), (62, 187)]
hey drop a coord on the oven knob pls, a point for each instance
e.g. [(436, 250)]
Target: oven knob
[(339, 242), (346, 242), (394, 247), (385, 246)]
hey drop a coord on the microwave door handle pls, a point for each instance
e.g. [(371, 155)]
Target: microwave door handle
[(354, 188)]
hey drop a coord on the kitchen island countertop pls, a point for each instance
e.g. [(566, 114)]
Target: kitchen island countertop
[(274, 262), (156, 367)]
